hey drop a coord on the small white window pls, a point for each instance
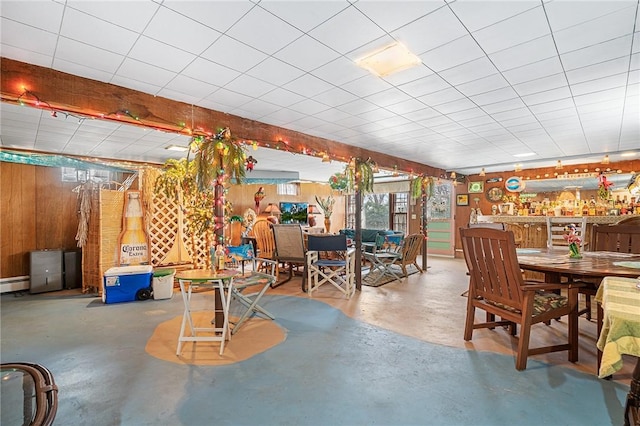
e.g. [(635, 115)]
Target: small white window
[(288, 189)]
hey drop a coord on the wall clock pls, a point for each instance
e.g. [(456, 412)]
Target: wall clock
[(495, 194)]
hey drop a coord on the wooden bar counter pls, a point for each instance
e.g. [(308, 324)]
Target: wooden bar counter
[(531, 231)]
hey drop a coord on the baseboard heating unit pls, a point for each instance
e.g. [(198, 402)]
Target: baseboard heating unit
[(14, 284)]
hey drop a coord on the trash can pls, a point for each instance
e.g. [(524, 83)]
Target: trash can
[(163, 283), (127, 283)]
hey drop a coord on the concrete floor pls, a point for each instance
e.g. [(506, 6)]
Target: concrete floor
[(391, 355)]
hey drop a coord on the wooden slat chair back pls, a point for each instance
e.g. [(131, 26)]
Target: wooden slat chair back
[(618, 238), (410, 249), (265, 241), (496, 286), (556, 231)]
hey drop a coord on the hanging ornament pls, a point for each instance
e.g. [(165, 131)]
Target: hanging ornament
[(250, 162), (257, 197)]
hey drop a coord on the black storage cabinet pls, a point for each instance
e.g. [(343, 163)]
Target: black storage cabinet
[(46, 271)]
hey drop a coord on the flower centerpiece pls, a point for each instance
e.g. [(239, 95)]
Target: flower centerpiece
[(574, 241)]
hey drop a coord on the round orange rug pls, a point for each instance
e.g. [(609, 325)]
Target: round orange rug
[(256, 336)]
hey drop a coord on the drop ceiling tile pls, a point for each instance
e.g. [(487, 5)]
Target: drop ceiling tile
[(600, 101), (44, 15), (366, 86), (402, 12), (81, 70), (551, 82), (185, 34), (442, 96), (454, 53), (406, 76), (233, 54), (275, 71), (221, 17), (309, 107), (547, 96), (249, 86), (210, 72), (133, 84), (304, 15), (190, 86), (228, 98), (483, 85), (356, 107), (476, 121), (297, 53), (307, 86), (513, 31), (335, 97), (430, 31), (596, 31), (259, 108), (137, 16), (339, 71), (594, 54), (469, 71), (405, 107), (459, 105), (611, 82), (494, 96), (96, 32), (143, 72), (284, 116), (511, 104), (160, 55), (534, 71), (22, 55), (480, 14), (102, 60), (282, 97), (422, 114), (526, 53), (422, 86), (388, 97), (261, 23), (24, 37), (552, 106), (511, 114), (346, 31), (332, 115), (467, 114)]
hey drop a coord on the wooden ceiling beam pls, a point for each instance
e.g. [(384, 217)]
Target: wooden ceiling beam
[(50, 89)]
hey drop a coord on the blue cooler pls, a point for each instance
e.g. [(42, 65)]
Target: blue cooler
[(127, 283)]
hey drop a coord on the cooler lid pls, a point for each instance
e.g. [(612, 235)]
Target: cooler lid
[(129, 270)]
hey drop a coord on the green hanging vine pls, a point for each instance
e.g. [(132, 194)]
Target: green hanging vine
[(421, 183), (359, 175)]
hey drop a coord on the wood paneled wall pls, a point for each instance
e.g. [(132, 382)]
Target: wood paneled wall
[(38, 211)]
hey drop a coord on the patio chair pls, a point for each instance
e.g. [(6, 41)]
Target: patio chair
[(261, 281), (497, 287), (329, 260), (409, 253), (265, 242), (290, 249)]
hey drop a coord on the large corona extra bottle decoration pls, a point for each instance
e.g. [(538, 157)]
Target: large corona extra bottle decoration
[(133, 245)]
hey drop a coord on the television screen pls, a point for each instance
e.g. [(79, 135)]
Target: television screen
[(294, 212)]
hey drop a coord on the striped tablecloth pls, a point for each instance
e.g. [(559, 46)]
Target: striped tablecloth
[(620, 298)]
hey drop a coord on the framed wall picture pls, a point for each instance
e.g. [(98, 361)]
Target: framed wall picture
[(476, 187), (462, 200)]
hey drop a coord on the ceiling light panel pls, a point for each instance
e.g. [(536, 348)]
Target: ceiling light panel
[(388, 60)]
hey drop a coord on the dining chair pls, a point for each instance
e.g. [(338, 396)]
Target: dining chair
[(556, 231), (615, 238), (290, 249), (329, 260), (496, 286), (263, 232), (261, 278)]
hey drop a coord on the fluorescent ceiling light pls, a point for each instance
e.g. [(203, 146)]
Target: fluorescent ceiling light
[(525, 154), (388, 60), (177, 148), (628, 154)]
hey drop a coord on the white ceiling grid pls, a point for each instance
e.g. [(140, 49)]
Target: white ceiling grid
[(498, 78)]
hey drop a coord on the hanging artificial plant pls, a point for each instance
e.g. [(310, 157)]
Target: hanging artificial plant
[(421, 183), (218, 156), (359, 174)]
